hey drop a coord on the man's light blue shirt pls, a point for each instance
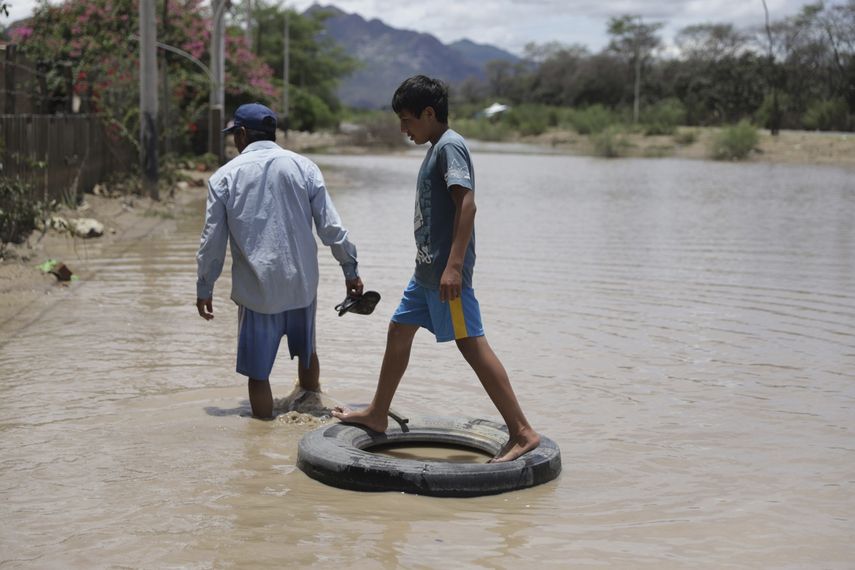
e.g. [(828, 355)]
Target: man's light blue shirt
[(263, 203)]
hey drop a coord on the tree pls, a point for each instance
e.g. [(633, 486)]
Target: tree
[(635, 40), (93, 39), (316, 62), (711, 42)]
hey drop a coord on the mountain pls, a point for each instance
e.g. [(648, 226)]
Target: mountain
[(481, 54), (388, 55)]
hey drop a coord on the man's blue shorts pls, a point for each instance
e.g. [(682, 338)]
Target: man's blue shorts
[(460, 318), (259, 336)]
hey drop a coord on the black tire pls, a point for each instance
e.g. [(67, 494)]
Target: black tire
[(338, 455)]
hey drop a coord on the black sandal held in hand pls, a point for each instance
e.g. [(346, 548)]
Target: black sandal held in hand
[(363, 305)]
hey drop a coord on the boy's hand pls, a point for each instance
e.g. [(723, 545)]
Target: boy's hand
[(205, 308), (354, 287), (450, 284)]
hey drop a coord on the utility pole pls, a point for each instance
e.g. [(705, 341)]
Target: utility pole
[(148, 97), (248, 31), (165, 73), (217, 99), (774, 122), (285, 74)]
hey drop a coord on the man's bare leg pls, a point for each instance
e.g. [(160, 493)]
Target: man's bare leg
[(487, 366), (260, 398), (399, 342), (309, 378)]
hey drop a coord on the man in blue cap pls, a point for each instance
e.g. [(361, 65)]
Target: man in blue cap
[(263, 203)]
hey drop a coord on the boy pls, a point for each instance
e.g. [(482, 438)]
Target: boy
[(440, 297)]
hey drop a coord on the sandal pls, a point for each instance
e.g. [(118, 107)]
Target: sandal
[(363, 305)]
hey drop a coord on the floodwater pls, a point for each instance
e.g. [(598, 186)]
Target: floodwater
[(685, 331)]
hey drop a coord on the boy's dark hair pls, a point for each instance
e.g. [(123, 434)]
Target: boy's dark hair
[(255, 136), (419, 92)]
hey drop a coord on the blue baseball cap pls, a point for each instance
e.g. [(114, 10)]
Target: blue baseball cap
[(254, 116)]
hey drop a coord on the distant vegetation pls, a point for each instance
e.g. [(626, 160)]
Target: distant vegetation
[(798, 74)]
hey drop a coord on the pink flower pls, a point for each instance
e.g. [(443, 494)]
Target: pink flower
[(21, 34)]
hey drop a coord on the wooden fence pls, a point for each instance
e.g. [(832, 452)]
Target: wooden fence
[(60, 156)]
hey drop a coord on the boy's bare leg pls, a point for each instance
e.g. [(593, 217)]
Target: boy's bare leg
[(309, 378), (399, 342), (260, 398), (521, 437)]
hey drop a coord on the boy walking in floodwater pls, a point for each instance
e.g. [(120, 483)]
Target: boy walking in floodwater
[(439, 297)]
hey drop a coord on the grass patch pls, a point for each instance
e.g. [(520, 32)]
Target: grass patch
[(686, 137)]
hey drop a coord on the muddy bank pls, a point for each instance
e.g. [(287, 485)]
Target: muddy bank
[(122, 217), (789, 147)]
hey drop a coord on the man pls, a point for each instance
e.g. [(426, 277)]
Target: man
[(263, 203)]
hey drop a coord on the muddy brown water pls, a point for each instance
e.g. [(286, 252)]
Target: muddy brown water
[(685, 331)]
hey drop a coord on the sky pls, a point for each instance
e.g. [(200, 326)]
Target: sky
[(511, 24)]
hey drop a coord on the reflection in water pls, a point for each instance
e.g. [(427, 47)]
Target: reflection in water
[(431, 452), (684, 331)]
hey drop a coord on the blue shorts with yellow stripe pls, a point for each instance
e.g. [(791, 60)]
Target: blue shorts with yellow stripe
[(460, 318)]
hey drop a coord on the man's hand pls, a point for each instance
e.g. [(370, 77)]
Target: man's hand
[(451, 284), (354, 287), (205, 308)]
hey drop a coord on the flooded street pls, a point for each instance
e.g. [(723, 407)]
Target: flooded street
[(684, 330)]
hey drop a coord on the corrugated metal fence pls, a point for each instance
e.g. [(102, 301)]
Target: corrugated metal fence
[(60, 156)]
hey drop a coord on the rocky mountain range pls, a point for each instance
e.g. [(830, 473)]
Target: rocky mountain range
[(388, 55)]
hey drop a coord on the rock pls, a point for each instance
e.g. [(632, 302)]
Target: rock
[(62, 272), (183, 185), (58, 223), (87, 227)]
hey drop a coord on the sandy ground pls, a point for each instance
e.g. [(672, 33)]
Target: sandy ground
[(132, 217)]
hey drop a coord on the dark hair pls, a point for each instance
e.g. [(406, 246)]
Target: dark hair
[(419, 92), (255, 136)]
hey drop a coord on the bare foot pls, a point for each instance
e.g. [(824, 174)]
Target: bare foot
[(361, 417), (517, 446)]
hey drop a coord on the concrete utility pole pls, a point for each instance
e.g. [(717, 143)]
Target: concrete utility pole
[(247, 4), (148, 97), (165, 72), (285, 75), (218, 98)]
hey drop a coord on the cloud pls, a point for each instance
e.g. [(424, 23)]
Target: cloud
[(511, 24)]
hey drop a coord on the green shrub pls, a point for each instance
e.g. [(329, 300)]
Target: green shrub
[(483, 129), (18, 210), (664, 117), (831, 115), (609, 143), (735, 142), (530, 119), (593, 119)]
